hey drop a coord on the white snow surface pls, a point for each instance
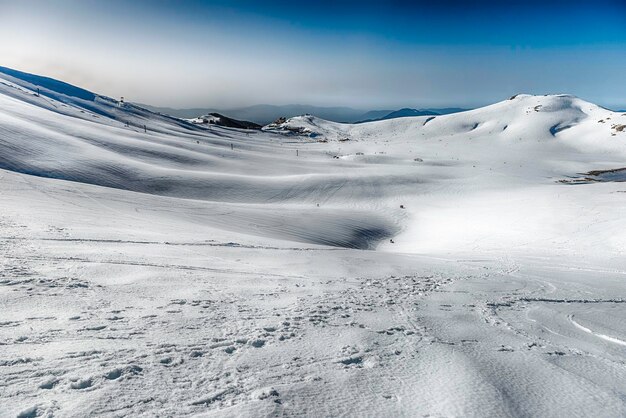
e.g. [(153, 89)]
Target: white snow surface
[(461, 265)]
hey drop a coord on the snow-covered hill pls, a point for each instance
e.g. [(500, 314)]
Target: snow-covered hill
[(544, 116), (468, 264), (221, 120)]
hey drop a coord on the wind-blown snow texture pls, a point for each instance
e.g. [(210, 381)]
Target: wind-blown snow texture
[(462, 265)]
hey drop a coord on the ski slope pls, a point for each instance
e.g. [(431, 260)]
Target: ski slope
[(470, 264)]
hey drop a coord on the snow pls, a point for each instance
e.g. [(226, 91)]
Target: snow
[(175, 270), (204, 119)]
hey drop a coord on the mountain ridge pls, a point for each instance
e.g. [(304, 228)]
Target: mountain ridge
[(264, 114)]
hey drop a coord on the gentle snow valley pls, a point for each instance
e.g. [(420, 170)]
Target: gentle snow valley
[(471, 264)]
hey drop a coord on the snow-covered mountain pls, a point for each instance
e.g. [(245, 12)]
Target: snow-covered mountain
[(532, 116), (467, 264)]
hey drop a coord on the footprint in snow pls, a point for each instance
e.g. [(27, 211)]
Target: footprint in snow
[(350, 361), (31, 412), (119, 372), (96, 328), (82, 384), (258, 343), (266, 394), (49, 383)]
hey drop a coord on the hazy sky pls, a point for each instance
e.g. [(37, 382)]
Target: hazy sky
[(383, 54)]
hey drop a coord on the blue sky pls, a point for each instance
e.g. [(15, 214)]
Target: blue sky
[(362, 54)]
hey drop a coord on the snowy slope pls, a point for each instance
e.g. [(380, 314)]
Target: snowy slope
[(469, 264), (496, 163)]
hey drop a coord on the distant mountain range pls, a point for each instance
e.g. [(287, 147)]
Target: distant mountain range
[(265, 114), (406, 112)]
